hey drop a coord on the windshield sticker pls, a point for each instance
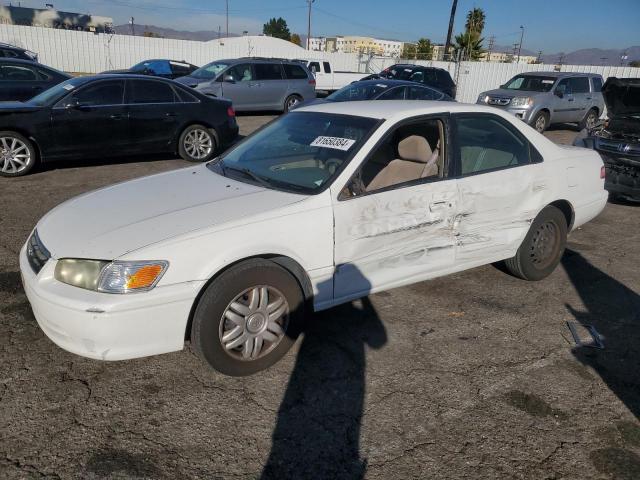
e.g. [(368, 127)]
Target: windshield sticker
[(68, 87), (408, 70), (333, 142), (548, 81), (381, 85)]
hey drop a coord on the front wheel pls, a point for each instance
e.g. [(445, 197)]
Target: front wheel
[(542, 247), (197, 143), (540, 122), (248, 318), (17, 154)]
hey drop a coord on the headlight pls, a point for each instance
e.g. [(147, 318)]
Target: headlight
[(521, 101), (483, 98), (110, 277)]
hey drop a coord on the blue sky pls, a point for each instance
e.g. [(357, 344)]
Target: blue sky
[(550, 26)]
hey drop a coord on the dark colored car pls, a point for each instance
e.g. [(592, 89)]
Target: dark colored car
[(110, 115), (430, 76), (618, 139), (382, 89), (24, 79), (11, 51), (160, 68)]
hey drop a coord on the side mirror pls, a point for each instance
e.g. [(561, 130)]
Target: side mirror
[(558, 93), (228, 78)]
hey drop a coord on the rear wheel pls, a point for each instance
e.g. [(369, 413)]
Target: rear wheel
[(291, 102), (542, 247), (248, 318), (589, 120), (197, 143), (17, 154), (540, 122)]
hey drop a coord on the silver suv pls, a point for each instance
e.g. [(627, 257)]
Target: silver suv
[(255, 83), (545, 98)]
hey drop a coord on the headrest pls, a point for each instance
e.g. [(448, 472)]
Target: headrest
[(414, 149)]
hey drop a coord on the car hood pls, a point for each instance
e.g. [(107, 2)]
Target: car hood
[(622, 96), (503, 92), (110, 222), (12, 107), (192, 81)]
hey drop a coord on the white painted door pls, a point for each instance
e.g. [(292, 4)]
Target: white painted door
[(394, 237)]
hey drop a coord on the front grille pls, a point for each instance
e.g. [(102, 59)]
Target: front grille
[(500, 101), (37, 253), (619, 147)]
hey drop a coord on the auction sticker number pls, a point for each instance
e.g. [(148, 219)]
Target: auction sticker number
[(333, 142)]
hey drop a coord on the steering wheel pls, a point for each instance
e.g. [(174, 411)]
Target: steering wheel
[(332, 165)]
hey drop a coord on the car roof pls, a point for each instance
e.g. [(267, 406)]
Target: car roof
[(24, 62), (8, 45), (561, 74), (392, 108), (257, 60), (392, 83), (414, 65), (164, 60), (124, 76)]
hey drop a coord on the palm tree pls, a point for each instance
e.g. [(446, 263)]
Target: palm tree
[(470, 44), (475, 21)]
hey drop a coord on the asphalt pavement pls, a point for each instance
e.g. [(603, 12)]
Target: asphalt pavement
[(474, 375)]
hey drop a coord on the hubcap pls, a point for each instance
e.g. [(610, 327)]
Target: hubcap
[(254, 323), (292, 101), (198, 143), (591, 120), (14, 155), (543, 245), (541, 122)]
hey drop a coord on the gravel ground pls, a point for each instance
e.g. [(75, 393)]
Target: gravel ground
[(469, 376)]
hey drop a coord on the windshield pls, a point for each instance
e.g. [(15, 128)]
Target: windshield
[(357, 91), (210, 70), (300, 152), (530, 83), (138, 67), (56, 92)]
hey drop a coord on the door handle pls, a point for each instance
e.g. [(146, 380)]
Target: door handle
[(588, 98), (170, 114), (570, 99), (116, 116)]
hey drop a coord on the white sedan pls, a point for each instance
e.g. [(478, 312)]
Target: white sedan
[(322, 206)]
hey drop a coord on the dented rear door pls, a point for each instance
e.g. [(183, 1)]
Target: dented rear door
[(391, 238)]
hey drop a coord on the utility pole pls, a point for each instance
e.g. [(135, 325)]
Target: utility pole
[(492, 40), (219, 32), (133, 28), (623, 57), (447, 45), (520, 46), (539, 59), (309, 25), (513, 54), (227, 18)]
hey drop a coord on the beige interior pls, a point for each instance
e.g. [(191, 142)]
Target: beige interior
[(417, 160)]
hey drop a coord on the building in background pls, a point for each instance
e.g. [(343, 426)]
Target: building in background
[(506, 57), (51, 18), (437, 52), (357, 44)]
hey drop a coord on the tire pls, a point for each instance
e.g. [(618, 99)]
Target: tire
[(542, 247), (291, 101), (218, 313), (18, 155), (197, 143), (589, 119), (540, 121)]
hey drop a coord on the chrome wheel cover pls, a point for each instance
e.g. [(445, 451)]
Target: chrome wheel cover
[(14, 155), (543, 244), (541, 123), (254, 323), (198, 143), (592, 118), (292, 102)]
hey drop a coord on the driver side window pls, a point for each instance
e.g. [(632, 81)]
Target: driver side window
[(101, 93), (241, 73), (408, 154), (564, 87)]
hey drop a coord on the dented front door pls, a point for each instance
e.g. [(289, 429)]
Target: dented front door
[(392, 238)]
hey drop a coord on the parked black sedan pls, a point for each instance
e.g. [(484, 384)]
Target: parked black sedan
[(160, 68), (23, 79), (112, 115), (431, 76)]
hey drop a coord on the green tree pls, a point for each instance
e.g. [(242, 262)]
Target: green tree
[(634, 63), (469, 44), (277, 27), (422, 50), (295, 38), (475, 21)]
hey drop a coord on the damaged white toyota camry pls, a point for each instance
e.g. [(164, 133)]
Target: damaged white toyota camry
[(324, 205)]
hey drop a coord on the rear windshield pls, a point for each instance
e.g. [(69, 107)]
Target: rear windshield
[(294, 71), (299, 152), (210, 70), (530, 83), (410, 73), (358, 91)]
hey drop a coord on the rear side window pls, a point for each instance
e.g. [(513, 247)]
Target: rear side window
[(327, 67), (579, 84), (268, 71), (393, 94), (424, 93), (18, 73), (9, 53), (294, 72), (180, 68), (314, 67), (148, 91), (597, 84), (185, 96), (444, 78), (486, 143)]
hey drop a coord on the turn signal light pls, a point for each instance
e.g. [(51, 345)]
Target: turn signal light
[(144, 277), (602, 171), (312, 82), (231, 112)]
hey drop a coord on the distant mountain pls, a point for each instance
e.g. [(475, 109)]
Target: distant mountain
[(201, 35), (595, 56), (505, 49)]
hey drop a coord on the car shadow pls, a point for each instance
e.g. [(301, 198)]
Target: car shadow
[(614, 310), (317, 433)]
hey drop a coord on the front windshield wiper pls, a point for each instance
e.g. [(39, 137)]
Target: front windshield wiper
[(262, 180)]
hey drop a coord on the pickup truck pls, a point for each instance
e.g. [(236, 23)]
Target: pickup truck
[(328, 79)]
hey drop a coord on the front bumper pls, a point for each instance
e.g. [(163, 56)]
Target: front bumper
[(622, 175), (105, 326), (524, 114)]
